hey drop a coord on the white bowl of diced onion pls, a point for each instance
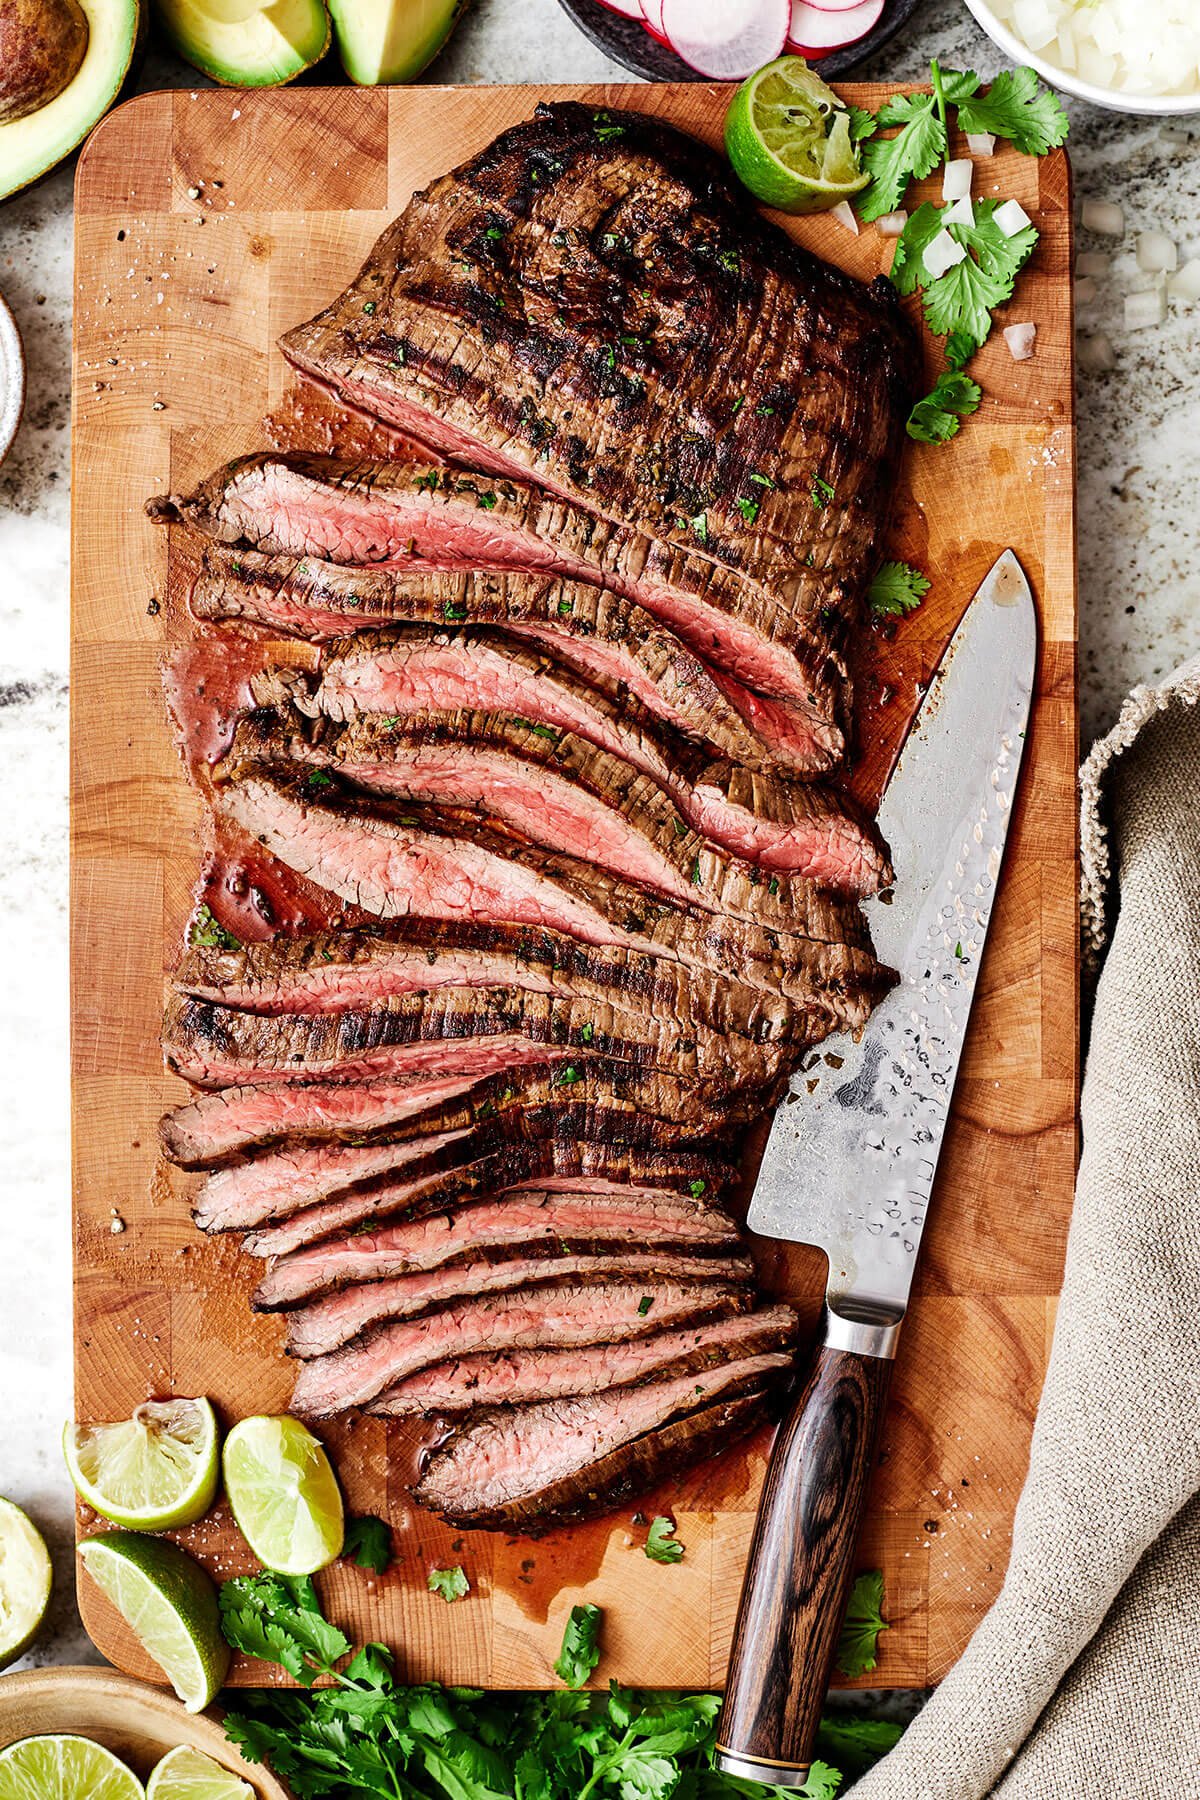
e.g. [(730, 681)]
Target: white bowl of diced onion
[(1136, 56)]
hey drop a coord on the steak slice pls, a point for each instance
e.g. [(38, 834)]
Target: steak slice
[(420, 517), (526, 1219), (570, 1314), (336, 1319), (453, 1030), (607, 640), (513, 1377), (589, 302), (553, 1165), (641, 1108), (557, 789), (395, 863), (565, 1459), (281, 1182)]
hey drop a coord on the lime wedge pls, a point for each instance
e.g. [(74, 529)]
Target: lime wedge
[(24, 1582), (153, 1472), (170, 1605), (65, 1768), (284, 1495), (788, 138), (187, 1774)]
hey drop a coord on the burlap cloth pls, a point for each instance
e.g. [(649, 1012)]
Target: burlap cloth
[(1084, 1678)]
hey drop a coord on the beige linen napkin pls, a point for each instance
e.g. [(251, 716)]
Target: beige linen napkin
[(1084, 1678)]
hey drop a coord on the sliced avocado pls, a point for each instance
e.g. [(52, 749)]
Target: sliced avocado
[(244, 45), (382, 42), (32, 144)]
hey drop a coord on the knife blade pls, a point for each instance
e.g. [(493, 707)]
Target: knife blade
[(850, 1168)]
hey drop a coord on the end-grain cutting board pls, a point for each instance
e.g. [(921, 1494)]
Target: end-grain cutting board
[(206, 224)]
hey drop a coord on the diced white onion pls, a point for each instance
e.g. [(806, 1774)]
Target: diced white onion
[(1134, 47), (1096, 354), (1035, 22), (1186, 284), (1156, 254), (843, 212), (961, 213), (1092, 262), (1012, 217), (1103, 217), (981, 143), (892, 224), (1019, 339), (942, 253), (1145, 309), (1086, 291), (956, 182)]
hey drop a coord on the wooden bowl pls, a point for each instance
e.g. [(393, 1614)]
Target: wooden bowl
[(138, 1723)]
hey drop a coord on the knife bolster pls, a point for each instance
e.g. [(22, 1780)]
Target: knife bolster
[(862, 1337)]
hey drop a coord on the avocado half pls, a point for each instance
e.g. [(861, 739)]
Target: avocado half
[(31, 146), (241, 44), (382, 42)]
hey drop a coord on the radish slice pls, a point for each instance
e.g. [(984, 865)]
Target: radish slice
[(835, 6), (652, 20), (828, 30), (628, 9), (806, 51), (724, 41)]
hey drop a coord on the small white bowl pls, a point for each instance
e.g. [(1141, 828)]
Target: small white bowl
[(1115, 99), (12, 380)]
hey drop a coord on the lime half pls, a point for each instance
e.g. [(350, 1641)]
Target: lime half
[(170, 1605), (187, 1774), (284, 1495), (788, 138), (25, 1578), (65, 1768), (153, 1472)]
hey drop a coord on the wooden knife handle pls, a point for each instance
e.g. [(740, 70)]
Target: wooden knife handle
[(801, 1558)]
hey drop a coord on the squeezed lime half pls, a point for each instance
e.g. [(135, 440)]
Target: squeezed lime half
[(153, 1472), (788, 137)]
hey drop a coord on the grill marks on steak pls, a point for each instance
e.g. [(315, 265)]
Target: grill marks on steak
[(556, 788), (610, 642), (513, 1377), (595, 308), (327, 1324), (565, 1315), (423, 517), (548, 1461), (531, 1219)]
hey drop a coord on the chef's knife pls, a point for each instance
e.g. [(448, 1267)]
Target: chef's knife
[(850, 1169)]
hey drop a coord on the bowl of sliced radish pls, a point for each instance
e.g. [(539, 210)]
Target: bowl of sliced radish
[(727, 40), (1134, 56)]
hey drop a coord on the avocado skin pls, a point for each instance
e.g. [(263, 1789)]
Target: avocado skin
[(94, 91)]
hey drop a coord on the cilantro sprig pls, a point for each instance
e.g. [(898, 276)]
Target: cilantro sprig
[(937, 418), (897, 589), (862, 1625)]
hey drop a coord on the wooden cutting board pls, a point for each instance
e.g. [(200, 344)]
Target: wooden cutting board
[(207, 223)]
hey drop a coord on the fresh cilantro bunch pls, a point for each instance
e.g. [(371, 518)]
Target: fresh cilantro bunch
[(366, 1734)]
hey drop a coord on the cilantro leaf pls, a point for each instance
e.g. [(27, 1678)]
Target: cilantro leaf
[(862, 1625), (935, 419), (962, 300), (893, 162), (661, 1543), (369, 1542), (855, 1744), (1017, 107), (278, 1618), (897, 589), (863, 124), (580, 1650), (908, 264), (451, 1584)]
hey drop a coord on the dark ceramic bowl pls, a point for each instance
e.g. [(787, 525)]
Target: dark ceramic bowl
[(626, 42)]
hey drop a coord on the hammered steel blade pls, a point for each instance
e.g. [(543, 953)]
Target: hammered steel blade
[(850, 1166)]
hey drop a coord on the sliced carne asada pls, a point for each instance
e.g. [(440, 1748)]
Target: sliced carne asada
[(327, 1324), (395, 863), (589, 303), (556, 788), (551, 1165), (215, 1046), (527, 1219), (421, 516), (603, 637), (567, 1315), (555, 1459), (513, 1377), (645, 1109)]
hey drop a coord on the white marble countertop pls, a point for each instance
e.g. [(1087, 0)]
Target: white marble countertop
[(1139, 457)]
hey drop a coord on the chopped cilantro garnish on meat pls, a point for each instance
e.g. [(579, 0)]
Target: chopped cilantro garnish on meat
[(207, 933), (748, 510), (644, 1305), (822, 493)]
